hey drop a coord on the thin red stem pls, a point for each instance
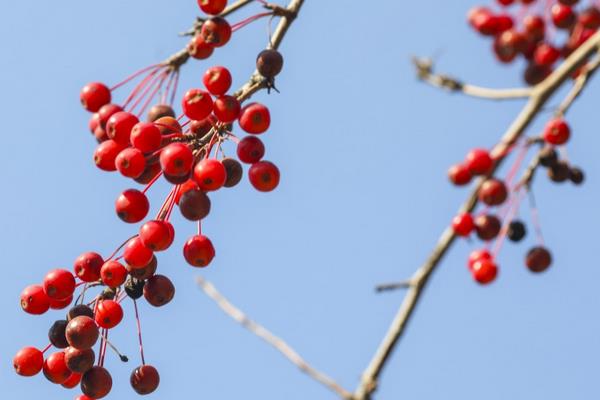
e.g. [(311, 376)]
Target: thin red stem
[(140, 86), (249, 20), (134, 75), (46, 348), (139, 329), (152, 182)]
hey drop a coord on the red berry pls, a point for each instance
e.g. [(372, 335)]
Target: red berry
[(156, 235), (250, 150), (176, 159), (590, 18), (459, 175), (144, 379), (213, 7), (107, 111), (59, 284), (478, 255), (479, 162), (168, 125), (159, 290), (197, 104), (87, 266), (463, 224), (79, 361), (483, 21), (506, 2), (131, 162), (94, 95), (546, 54), (216, 31), (493, 192), (210, 174), (484, 271), (113, 274), (189, 185), (34, 300), (96, 383), (146, 137), (136, 254), (264, 176), (55, 368), (106, 154), (217, 80), (132, 206), (227, 109), (83, 397), (108, 314), (28, 361), (557, 132), (199, 49), (198, 251), (61, 303), (72, 381), (255, 118), (82, 333), (119, 127), (563, 16), (535, 27)]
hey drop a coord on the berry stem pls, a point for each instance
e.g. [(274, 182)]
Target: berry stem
[(139, 329), (120, 247), (152, 182), (47, 348), (249, 20), (140, 86), (134, 75), (535, 217), (164, 76)]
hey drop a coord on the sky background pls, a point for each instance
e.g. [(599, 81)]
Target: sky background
[(363, 150)]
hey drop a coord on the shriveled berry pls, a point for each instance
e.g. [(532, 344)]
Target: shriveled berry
[(535, 73), (493, 192), (255, 118), (216, 31), (269, 63), (194, 204), (55, 369), (487, 226), (96, 383), (28, 361), (160, 110), (159, 290), (559, 172), (168, 125), (234, 171), (548, 156), (136, 254), (34, 300), (264, 176), (94, 95), (210, 174), (250, 150), (59, 284), (198, 251), (134, 288), (79, 361), (82, 332), (144, 379), (57, 335), (516, 231), (576, 175), (108, 314), (132, 206), (217, 80), (79, 310), (538, 259), (113, 274)]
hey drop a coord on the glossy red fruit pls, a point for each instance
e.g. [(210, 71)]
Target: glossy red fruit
[(146, 137), (144, 379), (477, 255), (119, 126), (159, 290), (156, 235), (250, 150), (264, 176), (216, 31), (108, 314), (59, 284), (94, 95), (105, 155), (55, 369), (87, 266), (199, 49), (34, 300), (79, 361), (96, 383), (546, 54), (535, 27), (487, 227), (210, 174), (463, 224), (506, 2), (136, 254), (459, 175), (198, 251), (83, 397), (493, 192), (217, 80), (479, 162), (197, 104), (107, 111), (508, 45), (563, 16), (113, 274), (484, 271), (227, 109), (590, 18), (213, 7), (28, 361), (194, 204), (538, 259), (483, 21), (176, 159), (132, 206), (131, 162), (82, 333), (61, 303), (72, 381), (255, 118), (557, 131)]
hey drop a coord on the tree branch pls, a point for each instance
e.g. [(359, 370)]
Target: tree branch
[(538, 97), (279, 344), (425, 73)]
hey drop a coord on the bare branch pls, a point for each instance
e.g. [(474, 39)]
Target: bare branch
[(538, 97), (386, 287), (425, 72), (279, 344)]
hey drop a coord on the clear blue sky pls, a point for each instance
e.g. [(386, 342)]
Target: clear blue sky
[(363, 149)]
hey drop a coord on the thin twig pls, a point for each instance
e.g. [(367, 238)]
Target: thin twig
[(425, 72), (279, 344), (539, 95)]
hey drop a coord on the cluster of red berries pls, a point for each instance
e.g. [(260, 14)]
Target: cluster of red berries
[(531, 32), (494, 192), (188, 152)]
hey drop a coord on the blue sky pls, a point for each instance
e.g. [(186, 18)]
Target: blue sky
[(363, 149)]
